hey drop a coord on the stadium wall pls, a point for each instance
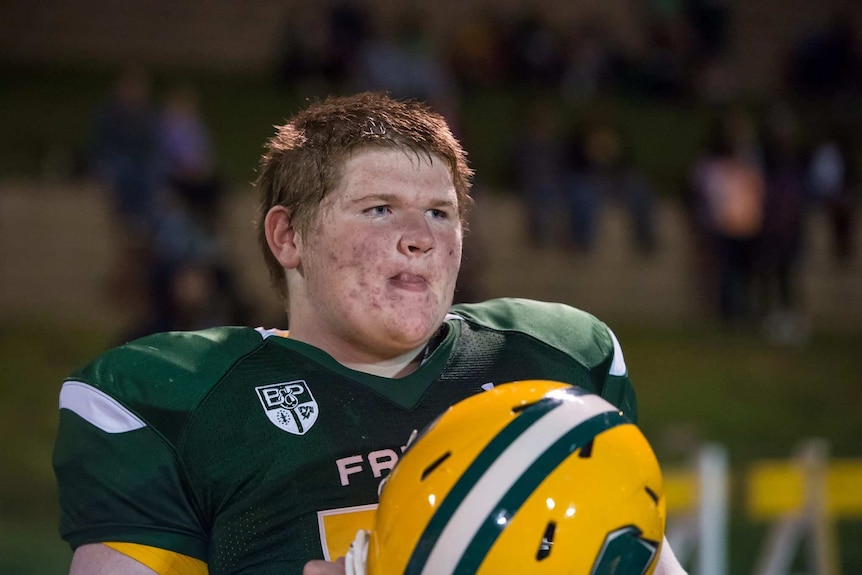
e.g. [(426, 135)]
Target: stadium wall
[(57, 249)]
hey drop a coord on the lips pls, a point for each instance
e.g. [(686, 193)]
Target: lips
[(409, 281)]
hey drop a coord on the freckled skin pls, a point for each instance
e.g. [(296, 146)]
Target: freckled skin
[(379, 269)]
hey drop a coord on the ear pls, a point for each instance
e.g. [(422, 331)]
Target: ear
[(284, 240)]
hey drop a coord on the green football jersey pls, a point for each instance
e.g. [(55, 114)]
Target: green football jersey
[(256, 453)]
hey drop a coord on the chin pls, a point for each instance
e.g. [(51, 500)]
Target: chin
[(416, 333)]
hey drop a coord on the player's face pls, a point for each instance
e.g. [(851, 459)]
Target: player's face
[(381, 263)]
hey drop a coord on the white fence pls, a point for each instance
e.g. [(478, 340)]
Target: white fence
[(800, 497)]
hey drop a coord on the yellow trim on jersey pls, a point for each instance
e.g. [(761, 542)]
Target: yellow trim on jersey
[(338, 528), (161, 561)]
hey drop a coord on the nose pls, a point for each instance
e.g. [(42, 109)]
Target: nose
[(416, 235)]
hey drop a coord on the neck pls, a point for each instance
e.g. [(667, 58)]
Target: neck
[(393, 367), (399, 366)]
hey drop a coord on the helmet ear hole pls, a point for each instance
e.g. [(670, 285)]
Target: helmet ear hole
[(435, 464), (547, 543)]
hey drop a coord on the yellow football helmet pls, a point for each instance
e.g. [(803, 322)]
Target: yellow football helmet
[(530, 477)]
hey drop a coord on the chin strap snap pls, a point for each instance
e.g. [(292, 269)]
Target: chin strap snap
[(357, 555)]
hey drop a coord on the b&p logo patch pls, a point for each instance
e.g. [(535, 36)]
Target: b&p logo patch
[(290, 406)]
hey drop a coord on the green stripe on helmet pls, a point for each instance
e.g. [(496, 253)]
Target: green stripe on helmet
[(532, 477), (474, 472), (519, 492)]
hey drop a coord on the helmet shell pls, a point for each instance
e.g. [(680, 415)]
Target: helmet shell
[(530, 477)]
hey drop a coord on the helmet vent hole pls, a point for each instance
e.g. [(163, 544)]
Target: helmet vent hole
[(522, 406), (586, 451), (547, 541), (428, 470)]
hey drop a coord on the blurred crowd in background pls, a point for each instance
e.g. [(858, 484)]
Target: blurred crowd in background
[(170, 271), (759, 174)]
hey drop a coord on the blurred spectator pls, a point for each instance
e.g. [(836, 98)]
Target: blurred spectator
[(125, 158), (601, 170), (304, 52), (740, 128), (582, 190), (728, 192), (716, 81), (539, 164), (826, 62), (782, 237), (710, 23), (832, 177), (535, 53), (183, 276), (407, 64), (714, 75), (590, 66), (635, 192), (348, 23), (197, 298), (187, 155), (318, 48), (666, 68), (125, 152), (191, 281), (477, 54)]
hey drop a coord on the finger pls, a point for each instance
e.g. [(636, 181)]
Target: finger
[(320, 567)]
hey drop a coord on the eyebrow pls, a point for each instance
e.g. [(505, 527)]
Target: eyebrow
[(374, 197), (388, 198)]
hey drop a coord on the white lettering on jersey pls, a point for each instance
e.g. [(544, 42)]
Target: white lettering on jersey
[(375, 462), (347, 466), (380, 460)]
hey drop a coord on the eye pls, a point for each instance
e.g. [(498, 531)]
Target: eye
[(378, 210), (439, 214)]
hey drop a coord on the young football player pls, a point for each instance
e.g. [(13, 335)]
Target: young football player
[(260, 451)]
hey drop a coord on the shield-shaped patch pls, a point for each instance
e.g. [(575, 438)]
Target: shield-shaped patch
[(289, 406)]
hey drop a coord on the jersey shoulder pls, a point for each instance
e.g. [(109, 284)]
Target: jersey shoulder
[(161, 374), (563, 327)]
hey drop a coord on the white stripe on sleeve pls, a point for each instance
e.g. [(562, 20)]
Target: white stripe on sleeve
[(618, 366), (98, 408)]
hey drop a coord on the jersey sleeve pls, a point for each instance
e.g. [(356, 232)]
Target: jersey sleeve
[(118, 479), (117, 457), (618, 388)]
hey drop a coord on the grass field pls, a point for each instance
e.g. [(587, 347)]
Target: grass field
[(35, 358), (694, 384)]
